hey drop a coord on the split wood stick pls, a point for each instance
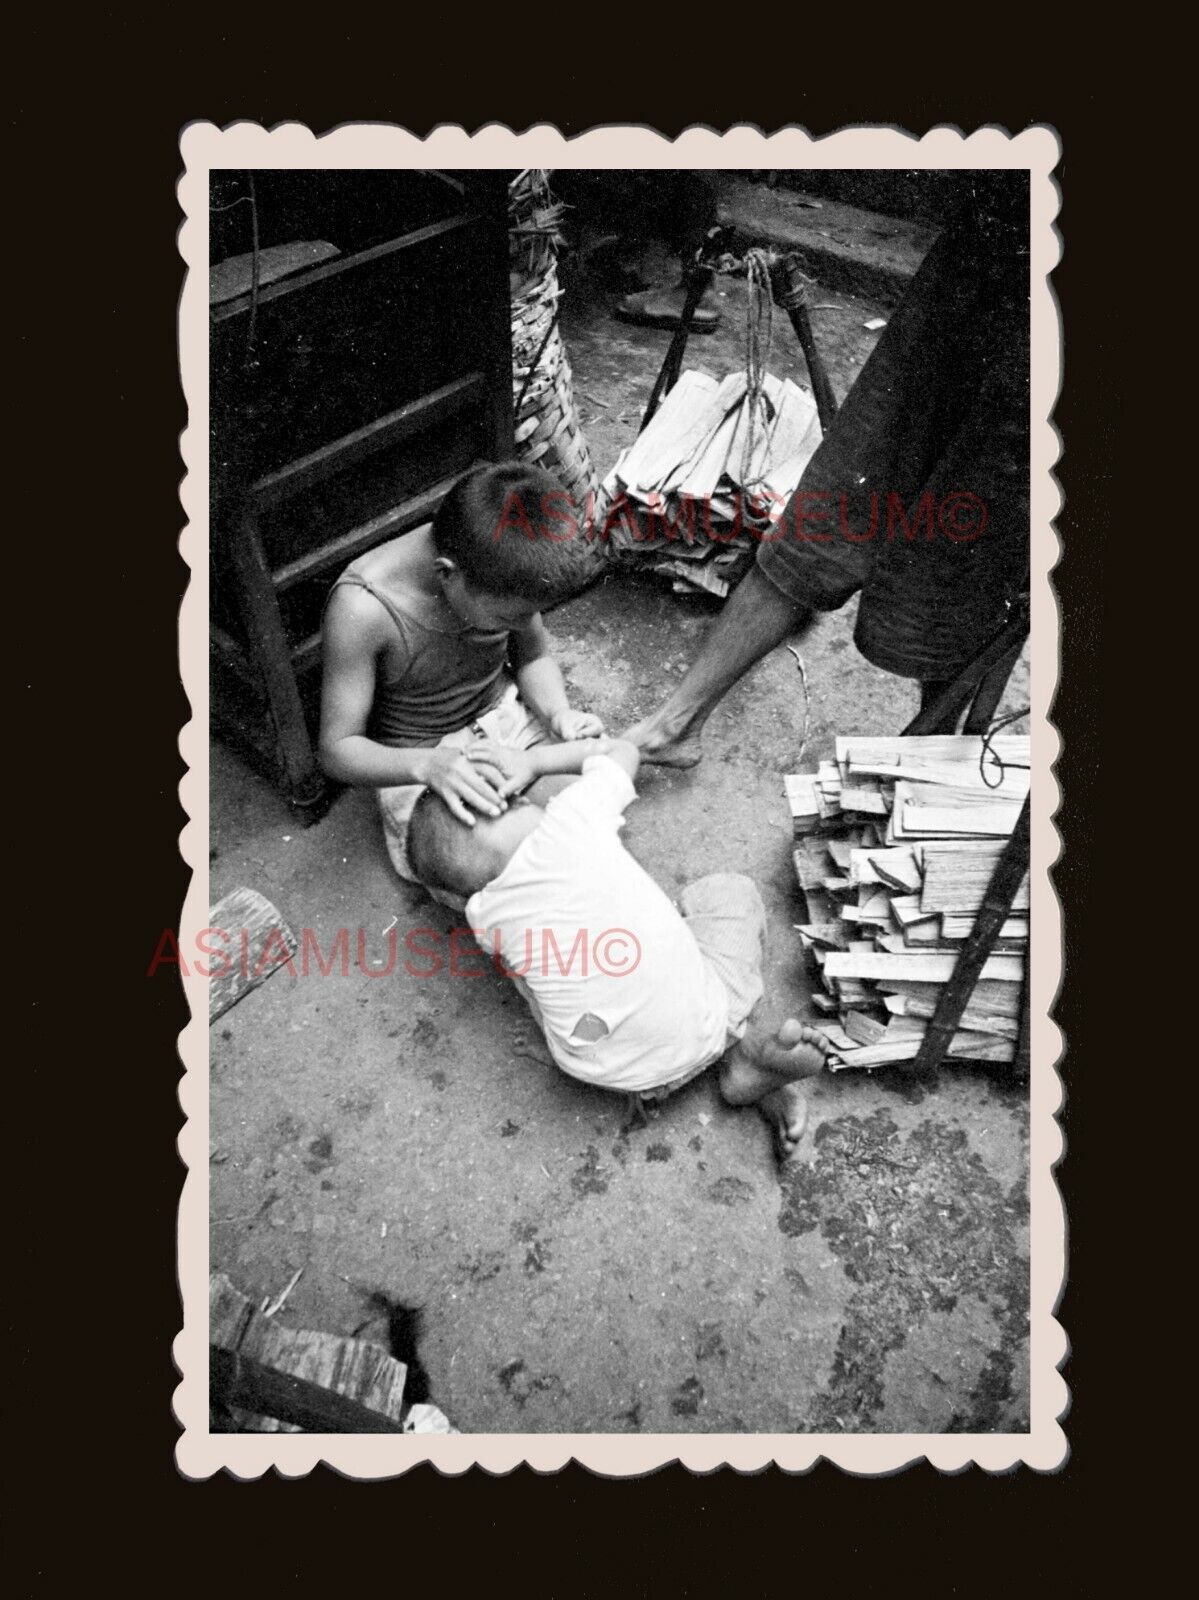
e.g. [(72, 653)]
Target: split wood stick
[(919, 968)]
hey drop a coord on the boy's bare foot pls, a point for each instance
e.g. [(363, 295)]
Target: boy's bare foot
[(668, 743), (762, 1071), (786, 1111)]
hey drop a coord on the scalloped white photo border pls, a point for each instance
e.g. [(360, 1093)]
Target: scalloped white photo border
[(205, 148)]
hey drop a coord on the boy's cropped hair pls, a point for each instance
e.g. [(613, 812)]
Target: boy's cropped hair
[(512, 529), (434, 832)]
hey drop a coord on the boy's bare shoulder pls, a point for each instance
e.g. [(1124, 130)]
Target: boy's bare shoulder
[(393, 571), (398, 567), (354, 622)]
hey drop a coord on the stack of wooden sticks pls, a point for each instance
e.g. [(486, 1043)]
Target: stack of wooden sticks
[(897, 839)]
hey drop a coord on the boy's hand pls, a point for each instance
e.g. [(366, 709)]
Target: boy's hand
[(515, 769), (463, 781), (568, 725)]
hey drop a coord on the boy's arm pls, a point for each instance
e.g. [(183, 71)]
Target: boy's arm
[(351, 644), (523, 767), (626, 756), (539, 680)]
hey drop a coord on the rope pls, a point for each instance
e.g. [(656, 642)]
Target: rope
[(988, 751), (759, 338)]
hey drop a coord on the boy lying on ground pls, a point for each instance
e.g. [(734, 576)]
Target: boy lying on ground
[(418, 637), (630, 994)]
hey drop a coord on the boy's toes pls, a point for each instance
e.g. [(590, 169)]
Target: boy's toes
[(786, 1110), (791, 1032)]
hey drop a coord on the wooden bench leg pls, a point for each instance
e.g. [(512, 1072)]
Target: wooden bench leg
[(268, 649)]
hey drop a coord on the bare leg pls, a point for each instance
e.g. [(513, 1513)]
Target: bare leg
[(763, 1071), (756, 619)]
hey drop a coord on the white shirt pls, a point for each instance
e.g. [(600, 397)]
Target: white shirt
[(585, 932)]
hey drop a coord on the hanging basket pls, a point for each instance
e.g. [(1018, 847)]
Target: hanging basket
[(548, 430)]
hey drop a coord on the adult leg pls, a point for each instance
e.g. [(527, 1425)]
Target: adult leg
[(687, 210), (756, 618)]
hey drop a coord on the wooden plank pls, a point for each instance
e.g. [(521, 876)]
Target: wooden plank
[(223, 647), (861, 869), (942, 747), (971, 1046), (864, 1029), (861, 798), (240, 1382), (389, 524), (842, 853), (229, 1312), (907, 909), (956, 876), (825, 934), (979, 822), (333, 269), (1000, 998), (960, 927), (904, 1027), (270, 654), (838, 886), (966, 781), (974, 1018), (234, 276), (874, 906), (307, 471), (835, 1035), (897, 867), (811, 861), (921, 968), (347, 1374)]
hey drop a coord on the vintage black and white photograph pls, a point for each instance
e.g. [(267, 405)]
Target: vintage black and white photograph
[(618, 1009)]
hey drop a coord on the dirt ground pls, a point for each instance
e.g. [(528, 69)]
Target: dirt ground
[(385, 1131)]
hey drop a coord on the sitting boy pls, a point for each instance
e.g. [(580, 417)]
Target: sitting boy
[(629, 993), (418, 635)]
